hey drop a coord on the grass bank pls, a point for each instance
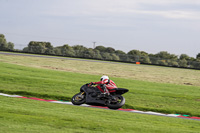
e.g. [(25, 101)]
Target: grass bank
[(22, 115), (122, 70), (143, 95)]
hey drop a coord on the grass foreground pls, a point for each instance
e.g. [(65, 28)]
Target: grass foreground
[(23, 115)]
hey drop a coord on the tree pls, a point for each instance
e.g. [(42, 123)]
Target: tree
[(10, 46), (89, 53), (97, 54), (173, 57), (106, 56), (183, 63), (166, 55), (115, 57), (36, 47), (172, 63), (198, 56), (3, 43), (25, 49), (57, 50), (66, 50), (162, 62), (146, 60), (79, 50), (196, 64), (122, 55), (49, 49), (143, 53), (134, 55), (100, 48), (184, 56), (40, 47), (119, 52), (2, 39), (154, 60), (110, 50)]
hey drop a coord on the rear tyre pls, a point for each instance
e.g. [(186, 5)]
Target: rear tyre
[(116, 102), (79, 98)]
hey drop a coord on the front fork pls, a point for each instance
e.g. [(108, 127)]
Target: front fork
[(82, 95)]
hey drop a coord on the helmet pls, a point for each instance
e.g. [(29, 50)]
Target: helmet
[(104, 77)]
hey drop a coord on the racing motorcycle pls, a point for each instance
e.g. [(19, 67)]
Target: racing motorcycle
[(92, 95)]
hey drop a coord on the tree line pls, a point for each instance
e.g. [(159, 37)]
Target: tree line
[(4, 45), (106, 53)]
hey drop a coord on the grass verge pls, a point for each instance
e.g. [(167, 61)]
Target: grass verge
[(23, 115)]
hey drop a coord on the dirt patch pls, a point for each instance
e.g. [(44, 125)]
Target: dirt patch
[(50, 67), (198, 100), (188, 83), (56, 68)]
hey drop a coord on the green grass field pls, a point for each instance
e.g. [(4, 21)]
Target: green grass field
[(23, 115), (27, 76), (123, 70)]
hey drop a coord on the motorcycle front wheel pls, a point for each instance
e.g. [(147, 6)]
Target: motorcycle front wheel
[(79, 98), (116, 102)]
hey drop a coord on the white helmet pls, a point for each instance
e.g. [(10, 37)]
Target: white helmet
[(104, 77)]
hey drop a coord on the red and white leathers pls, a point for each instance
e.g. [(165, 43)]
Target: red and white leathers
[(108, 83)]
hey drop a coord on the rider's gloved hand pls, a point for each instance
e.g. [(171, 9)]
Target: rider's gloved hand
[(92, 83)]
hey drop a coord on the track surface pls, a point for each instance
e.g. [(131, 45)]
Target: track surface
[(100, 107)]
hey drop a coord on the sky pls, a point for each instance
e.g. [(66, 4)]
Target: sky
[(146, 25)]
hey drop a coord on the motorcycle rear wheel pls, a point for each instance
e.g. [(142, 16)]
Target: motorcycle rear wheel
[(78, 98), (116, 103)]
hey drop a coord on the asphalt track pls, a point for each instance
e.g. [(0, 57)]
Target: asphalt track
[(100, 107)]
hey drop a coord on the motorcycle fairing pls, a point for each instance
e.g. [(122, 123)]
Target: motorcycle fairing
[(119, 91), (91, 95)]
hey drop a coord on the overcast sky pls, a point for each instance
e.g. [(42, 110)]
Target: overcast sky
[(146, 25)]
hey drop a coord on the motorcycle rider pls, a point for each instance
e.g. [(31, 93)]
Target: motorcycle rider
[(104, 85)]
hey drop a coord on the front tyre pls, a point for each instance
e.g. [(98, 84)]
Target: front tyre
[(79, 98), (116, 102)]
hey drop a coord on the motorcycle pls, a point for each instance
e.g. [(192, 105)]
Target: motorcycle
[(92, 95)]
